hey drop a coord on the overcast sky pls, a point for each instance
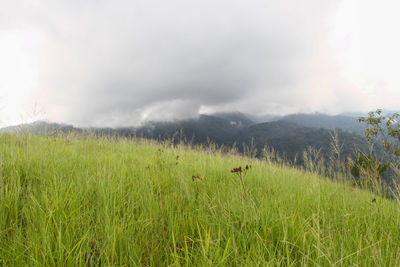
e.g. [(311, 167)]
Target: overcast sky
[(120, 63)]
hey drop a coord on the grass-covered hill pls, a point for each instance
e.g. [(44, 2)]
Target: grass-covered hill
[(80, 201), (289, 137)]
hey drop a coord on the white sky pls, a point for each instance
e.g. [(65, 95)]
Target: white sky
[(51, 68), (367, 42)]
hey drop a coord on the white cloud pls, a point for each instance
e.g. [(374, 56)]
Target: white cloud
[(122, 62)]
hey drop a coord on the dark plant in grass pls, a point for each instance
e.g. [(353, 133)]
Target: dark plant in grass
[(241, 173)]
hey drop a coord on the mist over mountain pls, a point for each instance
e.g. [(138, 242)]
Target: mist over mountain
[(319, 120)]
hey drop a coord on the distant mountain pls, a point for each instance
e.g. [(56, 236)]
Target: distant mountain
[(262, 132), (235, 118), (39, 128), (290, 139), (318, 120), (206, 128), (287, 137), (385, 112), (257, 118), (354, 114), (294, 144)]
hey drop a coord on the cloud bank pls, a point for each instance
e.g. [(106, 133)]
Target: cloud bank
[(120, 63)]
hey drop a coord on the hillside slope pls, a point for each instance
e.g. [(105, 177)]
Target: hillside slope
[(289, 137), (85, 201)]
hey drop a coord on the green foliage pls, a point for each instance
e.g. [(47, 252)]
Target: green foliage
[(85, 201), (368, 170), (367, 163), (386, 131)]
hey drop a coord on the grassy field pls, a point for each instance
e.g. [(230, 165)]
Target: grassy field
[(77, 201)]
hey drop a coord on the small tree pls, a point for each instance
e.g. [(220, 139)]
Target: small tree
[(386, 131), (368, 170)]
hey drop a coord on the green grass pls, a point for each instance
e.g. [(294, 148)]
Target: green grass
[(89, 201)]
